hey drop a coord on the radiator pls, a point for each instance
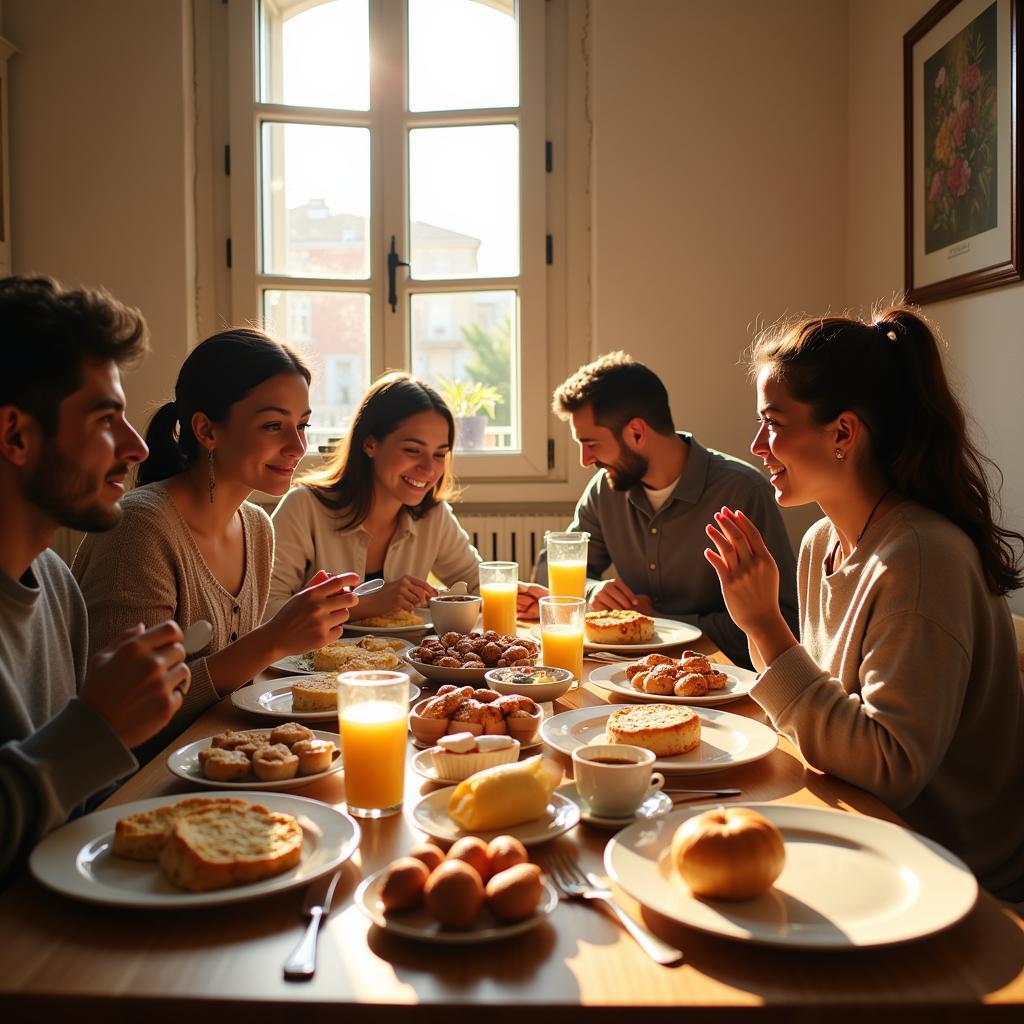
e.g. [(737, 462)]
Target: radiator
[(511, 538)]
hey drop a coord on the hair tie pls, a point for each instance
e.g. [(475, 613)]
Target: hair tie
[(887, 327)]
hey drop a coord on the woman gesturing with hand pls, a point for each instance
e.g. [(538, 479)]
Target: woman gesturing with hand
[(905, 679), (750, 585)]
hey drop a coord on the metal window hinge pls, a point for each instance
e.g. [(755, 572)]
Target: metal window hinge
[(227, 160), (227, 251), (551, 453), (548, 159), (549, 246)]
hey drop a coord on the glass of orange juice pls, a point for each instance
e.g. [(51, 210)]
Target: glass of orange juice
[(373, 713), (561, 633), (499, 584), (567, 563)]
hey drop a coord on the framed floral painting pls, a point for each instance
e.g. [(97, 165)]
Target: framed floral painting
[(961, 78)]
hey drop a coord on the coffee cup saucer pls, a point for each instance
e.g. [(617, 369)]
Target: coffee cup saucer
[(654, 806)]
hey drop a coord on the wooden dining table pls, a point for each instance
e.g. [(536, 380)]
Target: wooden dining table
[(68, 960)]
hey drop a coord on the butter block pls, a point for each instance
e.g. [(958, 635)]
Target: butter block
[(505, 795)]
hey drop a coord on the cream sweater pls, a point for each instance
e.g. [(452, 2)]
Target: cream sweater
[(906, 683), (307, 539), (148, 568)]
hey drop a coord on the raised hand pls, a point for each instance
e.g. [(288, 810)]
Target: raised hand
[(138, 682), (750, 582), (314, 616)]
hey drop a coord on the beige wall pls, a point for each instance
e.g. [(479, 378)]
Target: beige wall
[(983, 331), (101, 141), (719, 179)]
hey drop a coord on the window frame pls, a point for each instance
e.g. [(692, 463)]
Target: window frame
[(389, 122)]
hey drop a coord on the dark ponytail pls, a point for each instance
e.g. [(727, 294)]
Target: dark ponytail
[(218, 372), (890, 374)]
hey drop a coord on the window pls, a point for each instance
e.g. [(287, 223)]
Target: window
[(432, 150)]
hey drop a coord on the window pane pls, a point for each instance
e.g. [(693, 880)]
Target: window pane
[(464, 201), (332, 332), (462, 53), (467, 345), (316, 200), (319, 57)]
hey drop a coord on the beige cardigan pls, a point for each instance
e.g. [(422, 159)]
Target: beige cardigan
[(906, 683), (307, 539), (148, 568)]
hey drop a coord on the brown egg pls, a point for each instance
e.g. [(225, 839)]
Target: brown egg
[(430, 854), (514, 893), (506, 852), (403, 884), (474, 852), (454, 894)]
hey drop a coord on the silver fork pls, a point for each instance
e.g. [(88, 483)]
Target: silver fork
[(610, 657), (573, 884)]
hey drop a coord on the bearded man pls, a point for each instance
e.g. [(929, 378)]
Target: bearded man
[(67, 722), (647, 511)]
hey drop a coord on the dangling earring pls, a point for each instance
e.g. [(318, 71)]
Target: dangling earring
[(840, 455), (211, 477)]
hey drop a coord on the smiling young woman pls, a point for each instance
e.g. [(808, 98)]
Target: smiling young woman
[(189, 545), (379, 506), (905, 679)]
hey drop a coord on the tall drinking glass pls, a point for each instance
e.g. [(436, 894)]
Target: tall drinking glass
[(567, 563), (561, 633), (499, 584), (373, 711)]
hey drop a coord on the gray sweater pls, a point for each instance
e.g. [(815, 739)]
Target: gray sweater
[(56, 750), (906, 683)]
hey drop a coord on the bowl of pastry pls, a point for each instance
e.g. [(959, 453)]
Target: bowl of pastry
[(535, 681), (456, 709), (466, 657)]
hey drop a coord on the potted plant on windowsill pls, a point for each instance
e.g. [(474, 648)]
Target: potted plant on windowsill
[(472, 404)]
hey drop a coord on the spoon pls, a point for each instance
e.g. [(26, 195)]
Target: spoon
[(704, 792), (197, 636), (368, 587)]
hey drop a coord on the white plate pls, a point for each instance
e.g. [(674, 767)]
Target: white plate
[(298, 664), (725, 740), (354, 629), (667, 633), (613, 677), (273, 699), (418, 924), (849, 881), (430, 815), (76, 860), (184, 763), (657, 805)]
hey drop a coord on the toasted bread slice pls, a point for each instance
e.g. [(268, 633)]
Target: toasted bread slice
[(352, 658), (140, 836), (618, 626), (666, 729), (225, 846)]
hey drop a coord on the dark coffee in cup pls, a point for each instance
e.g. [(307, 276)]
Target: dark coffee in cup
[(457, 598), (611, 760)]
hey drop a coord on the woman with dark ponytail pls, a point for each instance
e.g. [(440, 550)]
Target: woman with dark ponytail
[(905, 680), (190, 545)]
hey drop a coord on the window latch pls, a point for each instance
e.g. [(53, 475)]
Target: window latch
[(393, 263)]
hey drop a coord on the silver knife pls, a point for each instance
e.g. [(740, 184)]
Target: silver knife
[(301, 965)]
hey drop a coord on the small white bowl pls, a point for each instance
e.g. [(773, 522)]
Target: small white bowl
[(504, 681)]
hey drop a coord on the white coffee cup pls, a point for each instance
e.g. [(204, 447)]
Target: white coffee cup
[(614, 779), (454, 613)]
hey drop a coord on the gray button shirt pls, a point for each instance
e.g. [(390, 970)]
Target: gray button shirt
[(661, 553)]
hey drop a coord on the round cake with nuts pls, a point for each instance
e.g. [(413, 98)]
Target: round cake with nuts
[(665, 729)]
